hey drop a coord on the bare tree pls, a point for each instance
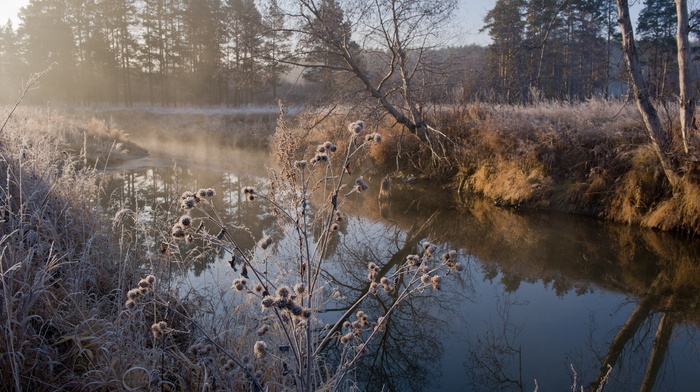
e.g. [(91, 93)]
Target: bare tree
[(655, 131), (395, 34), (686, 93)]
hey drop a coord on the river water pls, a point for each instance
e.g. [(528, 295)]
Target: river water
[(543, 299)]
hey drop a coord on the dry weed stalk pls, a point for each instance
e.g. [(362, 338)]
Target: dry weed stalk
[(288, 353)]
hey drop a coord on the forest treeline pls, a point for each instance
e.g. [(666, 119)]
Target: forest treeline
[(237, 52)]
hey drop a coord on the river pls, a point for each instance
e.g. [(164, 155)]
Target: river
[(543, 298)]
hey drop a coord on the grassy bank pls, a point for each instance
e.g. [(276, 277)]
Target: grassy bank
[(60, 278), (91, 303), (65, 273), (590, 158)]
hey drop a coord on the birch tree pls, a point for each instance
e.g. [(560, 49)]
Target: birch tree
[(687, 93), (656, 133)]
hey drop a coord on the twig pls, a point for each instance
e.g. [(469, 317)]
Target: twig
[(33, 79)]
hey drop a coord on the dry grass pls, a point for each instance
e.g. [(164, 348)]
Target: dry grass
[(69, 315), (59, 280), (591, 158), (64, 278)]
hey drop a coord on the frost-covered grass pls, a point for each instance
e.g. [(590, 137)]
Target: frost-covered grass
[(590, 158), (87, 303)]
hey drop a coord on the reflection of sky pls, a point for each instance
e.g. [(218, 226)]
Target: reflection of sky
[(558, 329), (555, 335)]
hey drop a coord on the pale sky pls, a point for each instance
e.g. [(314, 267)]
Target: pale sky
[(9, 10), (470, 17)]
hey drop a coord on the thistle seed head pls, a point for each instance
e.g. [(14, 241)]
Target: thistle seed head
[(132, 294), (356, 127), (262, 330), (185, 221), (239, 284), (360, 184), (283, 292), (130, 304), (435, 281), (188, 204), (429, 248), (413, 260), (265, 242), (268, 302), (347, 338), (260, 349), (178, 232), (296, 310)]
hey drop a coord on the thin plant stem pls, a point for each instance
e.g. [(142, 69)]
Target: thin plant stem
[(33, 79)]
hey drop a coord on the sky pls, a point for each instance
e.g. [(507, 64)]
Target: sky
[(9, 10), (469, 18), (468, 21)]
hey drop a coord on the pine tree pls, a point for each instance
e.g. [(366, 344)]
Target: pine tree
[(11, 66), (119, 20), (656, 28), (277, 46), (244, 49), (504, 57), (48, 40), (203, 30)]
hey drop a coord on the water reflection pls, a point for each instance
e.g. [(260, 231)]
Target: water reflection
[(541, 291), (413, 339), (660, 272)]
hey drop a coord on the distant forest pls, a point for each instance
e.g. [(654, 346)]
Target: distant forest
[(242, 52)]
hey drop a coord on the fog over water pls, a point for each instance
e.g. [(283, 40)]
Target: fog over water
[(541, 293)]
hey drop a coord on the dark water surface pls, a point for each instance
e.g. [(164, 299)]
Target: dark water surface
[(544, 297)]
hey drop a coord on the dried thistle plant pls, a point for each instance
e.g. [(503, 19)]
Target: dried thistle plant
[(289, 345)]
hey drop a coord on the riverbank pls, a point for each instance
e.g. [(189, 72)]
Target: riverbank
[(68, 319), (590, 158), (60, 269), (75, 282)]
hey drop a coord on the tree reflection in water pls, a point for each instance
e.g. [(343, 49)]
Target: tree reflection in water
[(658, 273), (404, 358)]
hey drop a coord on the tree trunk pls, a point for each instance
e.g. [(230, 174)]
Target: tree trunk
[(686, 93), (627, 332), (652, 122), (658, 352)]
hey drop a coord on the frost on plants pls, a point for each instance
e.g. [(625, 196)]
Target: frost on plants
[(286, 347)]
